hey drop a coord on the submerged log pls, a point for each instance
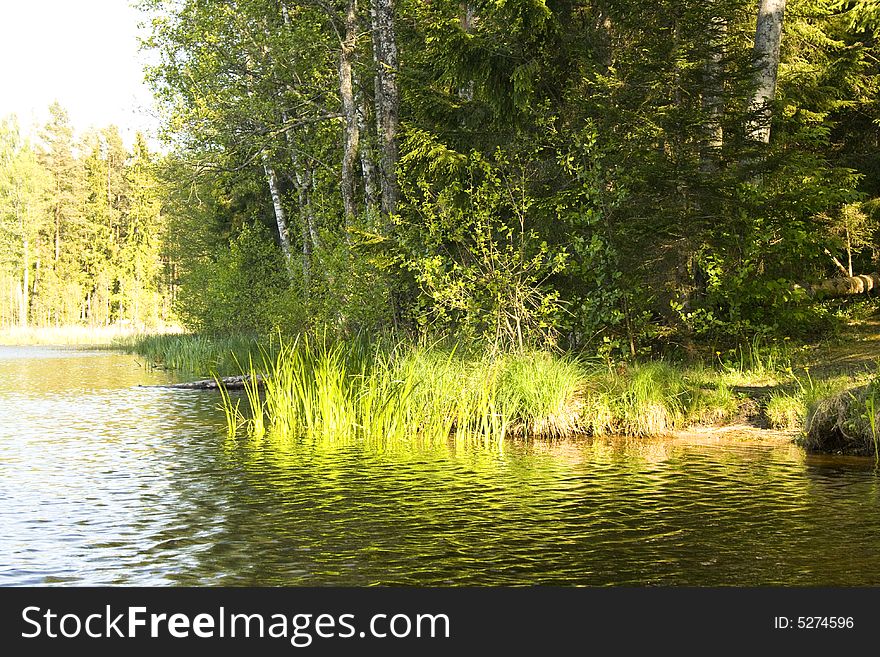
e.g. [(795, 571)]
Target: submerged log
[(228, 382), (845, 286)]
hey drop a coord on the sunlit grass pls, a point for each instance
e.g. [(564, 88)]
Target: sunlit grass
[(793, 408), (379, 389), (786, 411), (653, 398), (844, 421), (333, 390)]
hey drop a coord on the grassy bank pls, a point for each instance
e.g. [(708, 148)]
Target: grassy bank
[(847, 422), (396, 389), (355, 390), (400, 390)]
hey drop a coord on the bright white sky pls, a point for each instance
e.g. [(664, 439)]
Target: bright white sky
[(82, 53)]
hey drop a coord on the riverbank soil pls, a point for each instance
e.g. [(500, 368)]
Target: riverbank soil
[(830, 377)]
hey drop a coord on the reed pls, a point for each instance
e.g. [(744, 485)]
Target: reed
[(74, 335), (332, 390), (199, 355)]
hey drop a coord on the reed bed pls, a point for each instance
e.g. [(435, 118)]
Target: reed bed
[(328, 390), (199, 355), (74, 335)]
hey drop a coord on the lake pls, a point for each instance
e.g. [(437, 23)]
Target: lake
[(107, 480)]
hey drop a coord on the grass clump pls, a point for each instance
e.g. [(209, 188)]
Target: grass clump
[(786, 411), (545, 391), (198, 355), (846, 422), (398, 391), (345, 390), (794, 407), (652, 398)]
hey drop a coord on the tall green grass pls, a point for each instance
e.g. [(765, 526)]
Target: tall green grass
[(791, 408), (653, 398), (198, 355), (333, 390), (845, 422), (74, 335), (339, 390)]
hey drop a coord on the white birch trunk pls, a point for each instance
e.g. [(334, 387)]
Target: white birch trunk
[(25, 286), (368, 163), (467, 13), (351, 129), (280, 218), (387, 98), (713, 102), (768, 36)]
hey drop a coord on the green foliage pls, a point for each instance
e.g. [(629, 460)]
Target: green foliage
[(579, 174), (482, 267), (354, 290), (245, 289)]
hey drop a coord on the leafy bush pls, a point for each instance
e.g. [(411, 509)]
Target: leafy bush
[(243, 290)]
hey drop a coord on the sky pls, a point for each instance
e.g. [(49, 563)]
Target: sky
[(82, 53)]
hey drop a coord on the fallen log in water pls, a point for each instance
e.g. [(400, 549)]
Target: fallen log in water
[(228, 382)]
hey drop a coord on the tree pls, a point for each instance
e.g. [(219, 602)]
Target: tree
[(387, 97), (24, 187), (141, 248), (768, 36)]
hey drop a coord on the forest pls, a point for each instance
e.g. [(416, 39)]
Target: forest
[(620, 177), (81, 228), (617, 177)]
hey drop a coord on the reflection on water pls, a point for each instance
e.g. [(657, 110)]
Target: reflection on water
[(105, 482)]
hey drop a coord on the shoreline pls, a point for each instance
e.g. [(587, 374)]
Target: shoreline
[(532, 395)]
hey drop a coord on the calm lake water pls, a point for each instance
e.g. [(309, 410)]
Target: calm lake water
[(106, 482)]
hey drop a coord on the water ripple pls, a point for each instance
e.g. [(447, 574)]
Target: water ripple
[(106, 482)]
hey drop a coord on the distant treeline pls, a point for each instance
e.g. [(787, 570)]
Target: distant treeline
[(81, 229)]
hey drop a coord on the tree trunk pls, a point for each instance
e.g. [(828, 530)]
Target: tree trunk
[(768, 36), (25, 284), (23, 226), (57, 233), (304, 180), (308, 232), (280, 219), (387, 99), (351, 129), (846, 285), (849, 252), (368, 163), (466, 20), (712, 101)]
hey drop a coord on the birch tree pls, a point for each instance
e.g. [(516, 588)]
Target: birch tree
[(351, 126), (768, 36), (387, 95), (24, 187)]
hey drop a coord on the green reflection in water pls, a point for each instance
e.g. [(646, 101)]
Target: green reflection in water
[(106, 482)]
